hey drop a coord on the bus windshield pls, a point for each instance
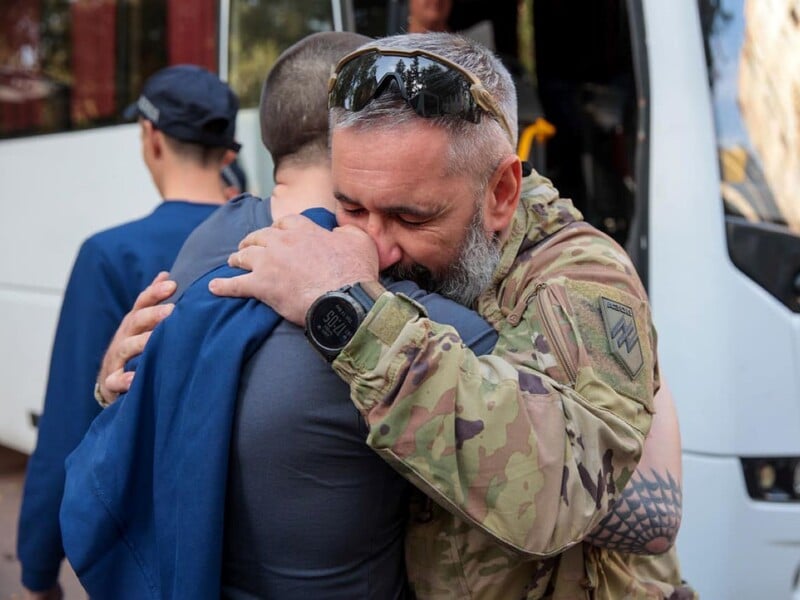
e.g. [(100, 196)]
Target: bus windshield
[(753, 53)]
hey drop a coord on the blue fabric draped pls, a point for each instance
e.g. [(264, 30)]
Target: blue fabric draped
[(144, 501)]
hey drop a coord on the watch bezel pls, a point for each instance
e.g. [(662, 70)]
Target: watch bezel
[(329, 351)]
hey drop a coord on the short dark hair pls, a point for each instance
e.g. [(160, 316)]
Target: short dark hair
[(202, 156), (294, 99)]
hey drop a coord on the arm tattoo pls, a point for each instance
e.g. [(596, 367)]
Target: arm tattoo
[(645, 519)]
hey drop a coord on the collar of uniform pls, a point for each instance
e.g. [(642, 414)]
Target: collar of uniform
[(540, 213)]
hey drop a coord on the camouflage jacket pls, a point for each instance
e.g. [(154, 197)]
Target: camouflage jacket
[(525, 450)]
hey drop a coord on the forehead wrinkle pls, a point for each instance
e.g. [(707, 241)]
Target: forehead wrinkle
[(411, 179)]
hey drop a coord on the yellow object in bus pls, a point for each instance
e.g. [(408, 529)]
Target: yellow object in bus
[(539, 132)]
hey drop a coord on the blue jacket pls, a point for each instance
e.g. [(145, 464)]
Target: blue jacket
[(112, 267), (144, 500)]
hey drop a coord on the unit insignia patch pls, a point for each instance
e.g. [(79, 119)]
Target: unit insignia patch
[(623, 338)]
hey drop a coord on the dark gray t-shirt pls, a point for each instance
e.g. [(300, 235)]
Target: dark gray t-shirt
[(311, 511)]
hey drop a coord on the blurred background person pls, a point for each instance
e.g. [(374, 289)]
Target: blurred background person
[(187, 118)]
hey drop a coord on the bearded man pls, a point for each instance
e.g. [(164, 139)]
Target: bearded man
[(524, 451)]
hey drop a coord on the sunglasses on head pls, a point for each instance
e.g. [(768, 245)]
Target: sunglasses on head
[(432, 85)]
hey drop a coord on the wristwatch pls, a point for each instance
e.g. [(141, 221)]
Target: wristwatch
[(333, 318)]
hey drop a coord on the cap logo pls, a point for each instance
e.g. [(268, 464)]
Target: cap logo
[(147, 109)]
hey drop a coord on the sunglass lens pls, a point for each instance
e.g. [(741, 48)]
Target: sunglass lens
[(355, 85), (426, 105), (430, 88), (439, 91)]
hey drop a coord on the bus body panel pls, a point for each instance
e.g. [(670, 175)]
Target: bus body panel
[(727, 347), (732, 547), (62, 188), (52, 184), (687, 237), (29, 321)]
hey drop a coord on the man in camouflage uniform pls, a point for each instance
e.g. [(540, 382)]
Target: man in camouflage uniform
[(525, 451)]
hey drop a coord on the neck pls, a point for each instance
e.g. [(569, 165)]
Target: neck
[(193, 183), (298, 188)]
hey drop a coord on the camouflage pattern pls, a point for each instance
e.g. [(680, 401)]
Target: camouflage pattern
[(524, 451)]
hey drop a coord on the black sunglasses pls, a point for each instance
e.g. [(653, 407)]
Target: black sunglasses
[(432, 85)]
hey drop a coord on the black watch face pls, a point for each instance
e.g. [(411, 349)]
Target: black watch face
[(335, 321)]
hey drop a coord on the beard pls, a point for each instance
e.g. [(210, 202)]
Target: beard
[(469, 274)]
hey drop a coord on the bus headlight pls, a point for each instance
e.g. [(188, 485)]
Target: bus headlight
[(773, 479), (766, 477)]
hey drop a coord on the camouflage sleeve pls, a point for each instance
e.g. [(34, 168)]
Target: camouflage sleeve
[(647, 517), (498, 440)]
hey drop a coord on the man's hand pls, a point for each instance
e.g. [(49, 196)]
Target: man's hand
[(54, 593), (295, 261), (131, 336)]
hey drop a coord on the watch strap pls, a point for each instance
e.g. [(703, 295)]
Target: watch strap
[(366, 293)]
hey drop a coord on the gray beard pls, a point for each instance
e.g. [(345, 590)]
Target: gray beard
[(469, 275)]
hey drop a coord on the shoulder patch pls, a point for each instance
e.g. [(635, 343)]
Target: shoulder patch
[(623, 338)]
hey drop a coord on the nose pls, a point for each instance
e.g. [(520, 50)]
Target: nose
[(389, 251)]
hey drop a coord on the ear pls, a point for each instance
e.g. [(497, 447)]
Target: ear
[(152, 138), (502, 195), (228, 157)]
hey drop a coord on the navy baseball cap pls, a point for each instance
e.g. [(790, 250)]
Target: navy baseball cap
[(190, 104)]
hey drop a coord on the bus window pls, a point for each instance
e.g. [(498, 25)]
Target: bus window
[(751, 50), (72, 65), (377, 18), (587, 94), (260, 30)]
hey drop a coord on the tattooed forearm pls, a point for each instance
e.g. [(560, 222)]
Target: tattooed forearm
[(645, 520)]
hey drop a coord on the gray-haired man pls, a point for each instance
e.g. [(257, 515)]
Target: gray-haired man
[(524, 451)]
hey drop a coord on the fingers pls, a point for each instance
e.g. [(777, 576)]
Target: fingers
[(132, 335), (130, 347), (113, 379), (260, 236), (159, 290), (146, 319), (294, 222), (255, 238), (248, 257), (162, 276), (118, 382), (241, 286)]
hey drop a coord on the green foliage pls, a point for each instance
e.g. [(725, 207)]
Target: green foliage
[(261, 30)]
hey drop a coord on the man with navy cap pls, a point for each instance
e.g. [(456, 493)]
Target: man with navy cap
[(187, 118)]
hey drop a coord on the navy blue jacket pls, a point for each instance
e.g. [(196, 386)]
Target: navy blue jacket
[(111, 269), (133, 522)]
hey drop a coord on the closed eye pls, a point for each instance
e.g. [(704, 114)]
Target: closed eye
[(354, 211), (411, 220)]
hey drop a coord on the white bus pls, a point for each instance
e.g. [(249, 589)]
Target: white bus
[(677, 131)]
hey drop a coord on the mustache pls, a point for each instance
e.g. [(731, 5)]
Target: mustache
[(419, 274)]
